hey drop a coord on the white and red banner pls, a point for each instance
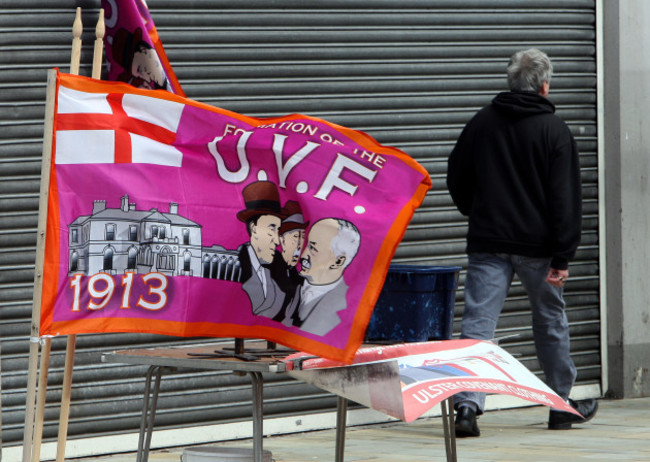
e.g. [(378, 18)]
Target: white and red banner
[(406, 380), (170, 216)]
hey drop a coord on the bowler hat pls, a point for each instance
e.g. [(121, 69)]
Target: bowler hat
[(294, 217), (125, 45), (261, 198)]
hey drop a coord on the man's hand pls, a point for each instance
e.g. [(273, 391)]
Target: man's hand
[(556, 277)]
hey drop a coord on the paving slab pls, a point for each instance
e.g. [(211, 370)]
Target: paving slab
[(619, 432)]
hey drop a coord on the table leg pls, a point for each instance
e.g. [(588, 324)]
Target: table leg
[(452, 429), (258, 414), (447, 407), (152, 414), (341, 419), (150, 402), (145, 412)]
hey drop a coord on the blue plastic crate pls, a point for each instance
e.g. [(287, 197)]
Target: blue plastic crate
[(416, 304)]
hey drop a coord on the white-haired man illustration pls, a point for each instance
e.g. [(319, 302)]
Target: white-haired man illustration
[(331, 246)]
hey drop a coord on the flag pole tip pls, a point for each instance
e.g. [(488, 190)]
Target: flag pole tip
[(101, 28), (77, 26)]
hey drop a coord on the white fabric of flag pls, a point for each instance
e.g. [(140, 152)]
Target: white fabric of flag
[(101, 128)]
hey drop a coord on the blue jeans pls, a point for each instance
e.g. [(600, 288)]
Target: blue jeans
[(486, 287)]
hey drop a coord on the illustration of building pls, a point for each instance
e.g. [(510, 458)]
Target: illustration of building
[(220, 263), (114, 241)]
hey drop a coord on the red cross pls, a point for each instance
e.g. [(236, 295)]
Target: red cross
[(118, 121)]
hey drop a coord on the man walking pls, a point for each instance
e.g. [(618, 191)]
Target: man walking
[(515, 173)]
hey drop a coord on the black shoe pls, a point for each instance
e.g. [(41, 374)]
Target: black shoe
[(466, 422), (560, 420)]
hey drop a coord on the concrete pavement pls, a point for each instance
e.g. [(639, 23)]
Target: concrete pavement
[(619, 432)]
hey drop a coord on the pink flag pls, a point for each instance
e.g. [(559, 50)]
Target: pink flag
[(170, 216), (134, 52)]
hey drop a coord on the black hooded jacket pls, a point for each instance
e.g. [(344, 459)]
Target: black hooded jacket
[(515, 173)]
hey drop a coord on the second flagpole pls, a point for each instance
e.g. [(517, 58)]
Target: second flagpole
[(64, 414)]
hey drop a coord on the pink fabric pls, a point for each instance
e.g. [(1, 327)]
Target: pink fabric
[(128, 27), (134, 181)]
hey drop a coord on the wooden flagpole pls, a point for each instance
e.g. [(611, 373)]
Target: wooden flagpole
[(43, 372), (100, 29), (46, 347), (38, 269), (34, 431), (70, 346), (64, 414), (75, 55)]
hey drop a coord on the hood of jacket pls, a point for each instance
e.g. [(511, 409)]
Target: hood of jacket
[(522, 104)]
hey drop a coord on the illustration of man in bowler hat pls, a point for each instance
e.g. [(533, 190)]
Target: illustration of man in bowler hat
[(263, 216), (284, 267), (142, 66)]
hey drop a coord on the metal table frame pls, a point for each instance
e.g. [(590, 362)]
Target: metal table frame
[(162, 360)]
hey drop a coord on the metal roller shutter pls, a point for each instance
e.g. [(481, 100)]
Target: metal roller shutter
[(408, 72)]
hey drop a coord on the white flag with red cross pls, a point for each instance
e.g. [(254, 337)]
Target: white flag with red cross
[(106, 128)]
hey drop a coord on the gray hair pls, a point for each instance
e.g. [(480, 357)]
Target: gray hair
[(528, 70), (346, 242)]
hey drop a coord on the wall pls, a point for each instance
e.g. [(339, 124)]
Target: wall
[(627, 194)]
